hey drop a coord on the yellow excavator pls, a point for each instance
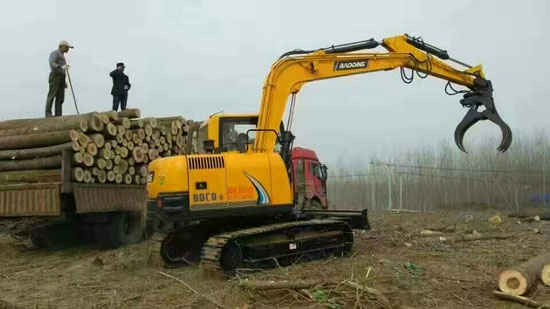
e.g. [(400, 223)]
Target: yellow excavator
[(233, 203)]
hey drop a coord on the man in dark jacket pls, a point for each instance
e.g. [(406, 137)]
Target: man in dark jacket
[(121, 85)]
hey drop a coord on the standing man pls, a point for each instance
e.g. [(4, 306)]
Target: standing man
[(56, 80), (121, 85)]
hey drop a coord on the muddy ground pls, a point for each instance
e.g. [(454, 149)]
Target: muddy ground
[(407, 270)]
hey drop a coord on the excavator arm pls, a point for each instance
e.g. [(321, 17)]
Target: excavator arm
[(298, 67)]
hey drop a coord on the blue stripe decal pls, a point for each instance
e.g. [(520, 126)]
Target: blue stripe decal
[(263, 197)]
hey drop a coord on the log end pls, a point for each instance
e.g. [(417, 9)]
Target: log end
[(545, 274), (512, 282)]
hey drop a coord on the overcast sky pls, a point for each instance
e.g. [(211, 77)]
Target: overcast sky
[(194, 58)]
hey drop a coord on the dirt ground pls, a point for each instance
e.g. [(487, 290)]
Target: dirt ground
[(408, 271)]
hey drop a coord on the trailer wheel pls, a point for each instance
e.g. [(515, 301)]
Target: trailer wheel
[(121, 229)]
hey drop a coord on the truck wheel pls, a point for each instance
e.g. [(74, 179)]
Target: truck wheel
[(121, 229), (84, 231)]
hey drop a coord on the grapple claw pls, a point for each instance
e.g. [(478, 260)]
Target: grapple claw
[(473, 100)]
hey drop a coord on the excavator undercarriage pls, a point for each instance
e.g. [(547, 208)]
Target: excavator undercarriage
[(223, 246)]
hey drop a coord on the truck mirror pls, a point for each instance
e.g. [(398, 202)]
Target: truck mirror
[(324, 172)]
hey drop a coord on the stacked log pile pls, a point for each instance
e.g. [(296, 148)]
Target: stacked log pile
[(106, 147)]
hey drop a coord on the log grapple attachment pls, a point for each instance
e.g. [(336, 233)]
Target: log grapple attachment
[(482, 96)]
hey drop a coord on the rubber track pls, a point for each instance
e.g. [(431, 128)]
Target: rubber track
[(211, 251)]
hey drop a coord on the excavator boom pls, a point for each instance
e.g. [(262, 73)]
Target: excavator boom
[(298, 67)]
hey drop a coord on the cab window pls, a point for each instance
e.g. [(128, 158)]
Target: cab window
[(231, 128)]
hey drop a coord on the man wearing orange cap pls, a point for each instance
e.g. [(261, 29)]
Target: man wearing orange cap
[(56, 80)]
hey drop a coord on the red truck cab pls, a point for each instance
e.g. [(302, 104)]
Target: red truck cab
[(310, 179)]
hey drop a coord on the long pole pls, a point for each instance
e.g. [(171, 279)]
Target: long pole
[(72, 91)]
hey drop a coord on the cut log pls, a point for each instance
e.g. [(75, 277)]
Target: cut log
[(88, 160), (108, 145), (32, 176), (77, 158), (128, 135), (119, 178), (17, 123), (102, 177), (474, 236), (179, 119), (124, 152), (52, 126), (78, 174), (143, 180), (31, 153), (148, 130), (113, 115), (545, 274), (101, 163), (138, 154), (38, 139), (120, 130), (131, 170), (87, 176), (130, 146), (130, 113), (150, 121), (110, 130), (262, 285), (116, 169), (84, 140), (111, 176), (522, 300), (143, 170), (123, 166), (141, 134), (180, 141), (119, 138), (105, 119), (109, 164), (98, 140), (520, 279), (124, 142), (137, 179), (95, 123), (95, 171), (91, 149), (116, 159), (128, 179), (105, 153), (136, 123), (124, 122), (51, 162)]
